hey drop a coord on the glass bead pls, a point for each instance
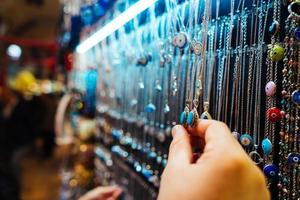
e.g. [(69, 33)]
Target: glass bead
[(274, 114), (190, 118), (274, 28), (266, 146), (182, 40), (270, 88), (276, 53), (246, 140), (236, 135), (270, 170), (296, 97), (150, 108), (297, 33), (293, 158), (182, 118)]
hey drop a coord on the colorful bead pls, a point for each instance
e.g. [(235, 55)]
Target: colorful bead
[(183, 117), (190, 118), (270, 170), (246, 140), (274, 114), (270, 88), (296, 97), (274, 28), (236, 135), (293, 158), (150, 108), (297, 33), (266, 146), (276, 53)]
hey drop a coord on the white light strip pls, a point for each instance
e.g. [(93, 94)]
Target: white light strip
[(114, 25)]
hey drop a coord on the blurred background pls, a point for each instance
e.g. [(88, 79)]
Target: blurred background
[(36, 42)]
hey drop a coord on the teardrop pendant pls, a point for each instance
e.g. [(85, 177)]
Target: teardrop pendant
[(205, 115)]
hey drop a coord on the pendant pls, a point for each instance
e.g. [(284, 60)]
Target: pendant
[(196, 47), (205, 115), (293, 158), (150, 108), (192, 117), (271, 171), (166, 109), (270, 89), (180, 40), (274, 114), (184, 116), (276, 53), (236, 135), (296, 97), (246, 140), (266, 146), (274, 28)]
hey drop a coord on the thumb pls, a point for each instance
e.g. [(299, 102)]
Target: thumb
[(180, 152)]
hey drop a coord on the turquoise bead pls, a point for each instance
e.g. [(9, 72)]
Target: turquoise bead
[(190, 118), (266, 146), (182, 118), (246, 140), (150, 108)]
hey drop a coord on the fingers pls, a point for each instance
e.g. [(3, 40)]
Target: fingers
[(103, 193), (180, 152)]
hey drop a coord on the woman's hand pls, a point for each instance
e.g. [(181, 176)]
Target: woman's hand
[(222, 172)]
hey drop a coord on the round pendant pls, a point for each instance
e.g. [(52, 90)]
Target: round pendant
[(190, 118), (296, 97), (236, 135), (266, 146), (274, 28), (150, 108), (182, 40), (297, 33), (246, 140), (293, 158), (276, 53), (196, 47), (270, 89), (274, 114), (270, 171)]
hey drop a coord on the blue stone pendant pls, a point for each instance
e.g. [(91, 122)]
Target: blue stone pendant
[(190, 118), (150, 108), (296, 97), (293, 158), (184, 116), (271, 171), (274, 28), (246, 140), (266, 146)]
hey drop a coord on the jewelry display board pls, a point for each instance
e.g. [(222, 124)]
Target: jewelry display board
[(235, 61)]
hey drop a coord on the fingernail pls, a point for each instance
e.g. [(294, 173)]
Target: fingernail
[(176, 130)]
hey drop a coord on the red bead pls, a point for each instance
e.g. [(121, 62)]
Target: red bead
[(274, 114)]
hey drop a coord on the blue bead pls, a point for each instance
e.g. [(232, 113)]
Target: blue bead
[(293, 158), (182, 118), (190, 118), (271, 171), (273, 29), (296, 97), (266, 146), (297, 33), (246, 140), (150, 108)]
